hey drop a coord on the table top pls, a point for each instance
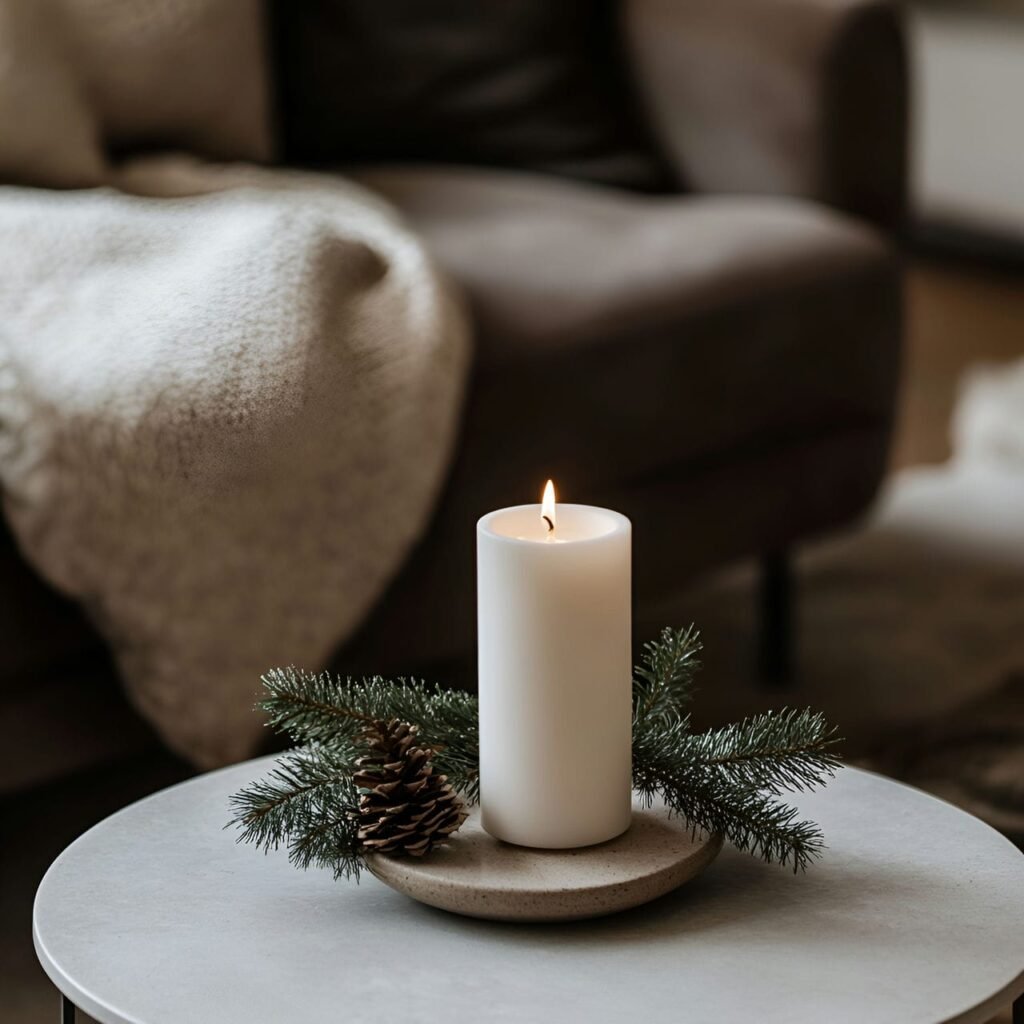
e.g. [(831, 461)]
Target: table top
[(915, 914)]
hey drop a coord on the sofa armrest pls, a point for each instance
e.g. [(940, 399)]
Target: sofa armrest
[(795, 97)]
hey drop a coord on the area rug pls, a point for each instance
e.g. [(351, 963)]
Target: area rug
[(910, 628), (973, 757)]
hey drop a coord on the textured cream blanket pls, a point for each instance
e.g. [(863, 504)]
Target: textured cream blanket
[(226, 406)]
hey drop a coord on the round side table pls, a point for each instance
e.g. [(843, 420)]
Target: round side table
[(914, 916)]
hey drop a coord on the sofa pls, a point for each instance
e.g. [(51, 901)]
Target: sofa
[(717, 357)]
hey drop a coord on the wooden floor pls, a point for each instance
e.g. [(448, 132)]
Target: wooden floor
[(955, 318)]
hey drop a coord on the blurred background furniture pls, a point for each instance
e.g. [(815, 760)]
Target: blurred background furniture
[(968, 165), (716, 356)]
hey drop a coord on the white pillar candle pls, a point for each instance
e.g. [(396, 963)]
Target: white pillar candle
[(554, 616)]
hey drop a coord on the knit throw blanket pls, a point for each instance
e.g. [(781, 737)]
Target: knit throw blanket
[(227, 401)]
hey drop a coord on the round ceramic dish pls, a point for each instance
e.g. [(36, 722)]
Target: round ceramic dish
[(479, 876)]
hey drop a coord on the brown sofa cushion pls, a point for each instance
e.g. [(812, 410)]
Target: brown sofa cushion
[(45, 632), (620, 334), (531, 84)]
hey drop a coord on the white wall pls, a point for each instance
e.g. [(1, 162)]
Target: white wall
[(968, 147)]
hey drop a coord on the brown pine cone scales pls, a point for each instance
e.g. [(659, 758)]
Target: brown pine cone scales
[(404, 808)]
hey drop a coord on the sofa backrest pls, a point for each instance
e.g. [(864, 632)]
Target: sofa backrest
[(82, 80), (538, 85)]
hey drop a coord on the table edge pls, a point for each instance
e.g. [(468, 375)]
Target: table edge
[(980, 1013)]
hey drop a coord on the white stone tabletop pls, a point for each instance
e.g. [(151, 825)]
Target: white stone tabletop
[(914, 916)]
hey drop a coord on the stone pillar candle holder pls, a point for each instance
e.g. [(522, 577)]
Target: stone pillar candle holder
[(480, 876)]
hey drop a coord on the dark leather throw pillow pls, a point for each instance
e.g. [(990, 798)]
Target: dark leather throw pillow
[(532, 84)]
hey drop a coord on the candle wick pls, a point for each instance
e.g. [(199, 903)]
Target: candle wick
[(551, 525)]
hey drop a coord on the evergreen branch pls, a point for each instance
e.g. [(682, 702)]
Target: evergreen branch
[(319, 708), (753, 822), (326, 835), (306, 788), (674, 765), (663, 682), (772, 752), (310, 707)]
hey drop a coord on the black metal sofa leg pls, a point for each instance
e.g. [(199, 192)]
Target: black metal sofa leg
[(775, 638)]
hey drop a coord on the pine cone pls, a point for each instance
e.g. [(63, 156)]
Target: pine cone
[(404, 807)]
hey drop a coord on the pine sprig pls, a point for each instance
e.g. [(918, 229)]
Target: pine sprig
[(316, 708), (725, 780), (775, 752), (663, 683), (681, 768), (309, 707), (306, 802)]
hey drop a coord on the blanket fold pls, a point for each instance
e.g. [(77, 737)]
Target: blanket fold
[(227, 401)]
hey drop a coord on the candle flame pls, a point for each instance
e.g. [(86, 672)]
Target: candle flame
[(547, 506)]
